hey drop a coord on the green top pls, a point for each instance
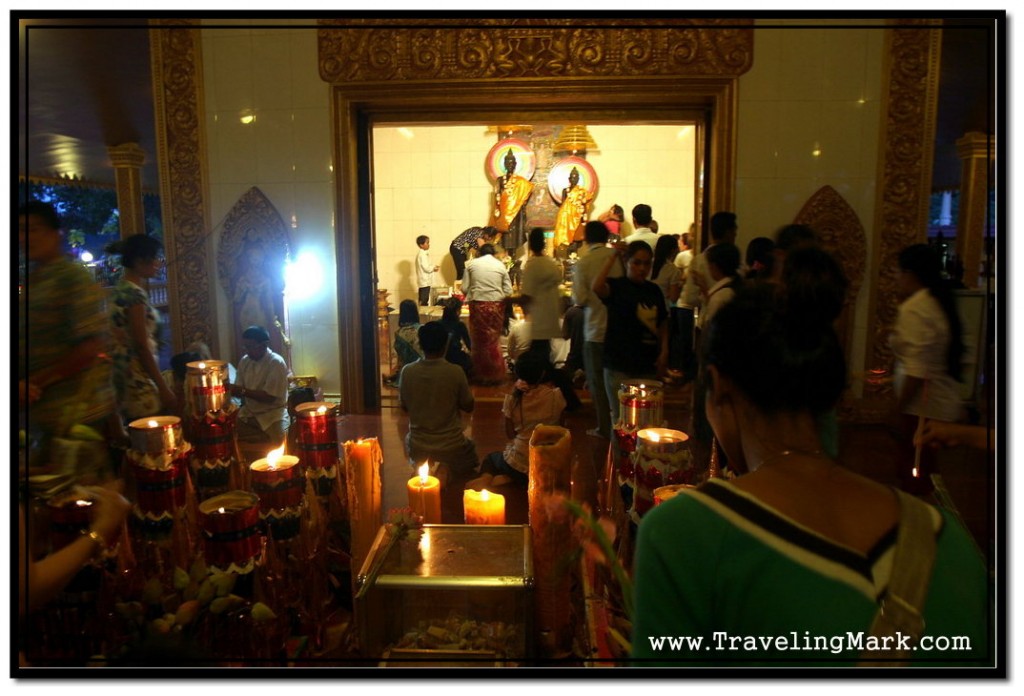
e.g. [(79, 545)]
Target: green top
[(716, 559)]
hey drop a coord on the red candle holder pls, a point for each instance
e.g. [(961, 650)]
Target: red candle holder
[(206, 386), (318, 434), (213, 434), (625, 441), (70, 515), (279, 485), (662, 458), (159, 483), (231, 533), (156, 435)]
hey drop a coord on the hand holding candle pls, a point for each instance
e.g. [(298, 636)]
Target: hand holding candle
[(425, 495), (483, 507)]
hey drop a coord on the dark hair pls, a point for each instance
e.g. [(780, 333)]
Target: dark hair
[(722, 223), (725, 256), (664, 249), (687, 239), (256, 333), (760, 258), (408, 313), (138, 247), (536, 240), (180, 361), (814, 284), (617, 209), (421, 240), (451, 310), (488, 232), (531, 367), (792, 236), (433, 339), (642, 214), (44, 211), (485, 250), (782, 360), (922, 261), (595, 232), (638, 245)]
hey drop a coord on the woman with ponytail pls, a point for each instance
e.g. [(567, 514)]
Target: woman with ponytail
[(795, 547), (141, 389), (928, 347)]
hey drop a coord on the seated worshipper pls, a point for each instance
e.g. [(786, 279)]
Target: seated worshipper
[(533, 401), (798, 545), (459, 344), (263, 387), (175, 378), (407, 342), (433, 392)]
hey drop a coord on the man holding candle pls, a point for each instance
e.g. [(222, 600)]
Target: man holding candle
[(262, 385), (433, 392)]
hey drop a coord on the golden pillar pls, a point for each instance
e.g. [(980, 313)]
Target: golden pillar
[(127, 159), (973, 224)]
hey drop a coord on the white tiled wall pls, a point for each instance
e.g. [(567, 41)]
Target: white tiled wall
[(270, 72), (810, 90), (431, 180)]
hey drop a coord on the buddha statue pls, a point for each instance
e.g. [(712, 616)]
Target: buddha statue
[(573, 211)]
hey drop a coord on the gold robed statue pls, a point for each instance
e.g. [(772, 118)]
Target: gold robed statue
[(573, 211), (513, 191)]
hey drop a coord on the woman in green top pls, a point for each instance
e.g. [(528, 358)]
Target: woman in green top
[(786, 564)]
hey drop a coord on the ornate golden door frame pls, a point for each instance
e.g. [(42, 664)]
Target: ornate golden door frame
[(508, 71)]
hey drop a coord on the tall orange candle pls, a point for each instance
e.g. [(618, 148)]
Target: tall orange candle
[(425, 495), (483, 507)]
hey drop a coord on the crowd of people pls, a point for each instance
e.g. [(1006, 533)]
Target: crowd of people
[(801, 543)]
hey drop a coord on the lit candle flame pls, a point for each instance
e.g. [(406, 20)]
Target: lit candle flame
[(653, 437), (322, 410), (153, 424), (423, 471), (221, 511), (202, 366), (83, 503), (273, 456), (484, 495)]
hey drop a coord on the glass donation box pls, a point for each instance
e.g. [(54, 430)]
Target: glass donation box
[(457, 595)]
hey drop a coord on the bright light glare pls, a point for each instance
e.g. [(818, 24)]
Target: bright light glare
[(303, 277), (86, 257)]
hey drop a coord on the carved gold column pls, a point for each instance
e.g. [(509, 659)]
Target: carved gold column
[(176, 60), (972, 226), (905, 167), (128, 159)]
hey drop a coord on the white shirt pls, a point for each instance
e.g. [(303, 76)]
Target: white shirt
[(682, 260), (595, 314), (698, 268), (540, 284), (486, 280), (424, 269), (718, 295), (919, 341), (643, 234), (268, 374)]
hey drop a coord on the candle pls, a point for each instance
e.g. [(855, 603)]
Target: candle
[(206, 386), (69, 517), (155, 435), (230, 526), (483, 507), (662, 458), (641, 404), (363, 459), (663, 493), (277, 480), (318, 434), (425, 495)]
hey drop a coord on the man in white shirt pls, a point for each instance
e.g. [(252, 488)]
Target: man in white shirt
[(486, 284), (642, 231), (424, 270), (595, 318), (262, 384)]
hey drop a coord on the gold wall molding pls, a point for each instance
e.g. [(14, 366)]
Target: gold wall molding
[(254, 247), (909, 99), (496, 71), (977, 154), (176, 60), (374, 50), (127, 160)]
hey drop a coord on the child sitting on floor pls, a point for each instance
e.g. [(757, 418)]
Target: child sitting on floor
[(533, 401)]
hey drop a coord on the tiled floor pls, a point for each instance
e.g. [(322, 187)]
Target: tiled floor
[(871, 450)]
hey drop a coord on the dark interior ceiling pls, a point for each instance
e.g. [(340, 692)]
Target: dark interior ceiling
[(85, 85)]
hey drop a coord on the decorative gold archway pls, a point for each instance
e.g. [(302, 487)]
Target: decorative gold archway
[(525, 70)]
